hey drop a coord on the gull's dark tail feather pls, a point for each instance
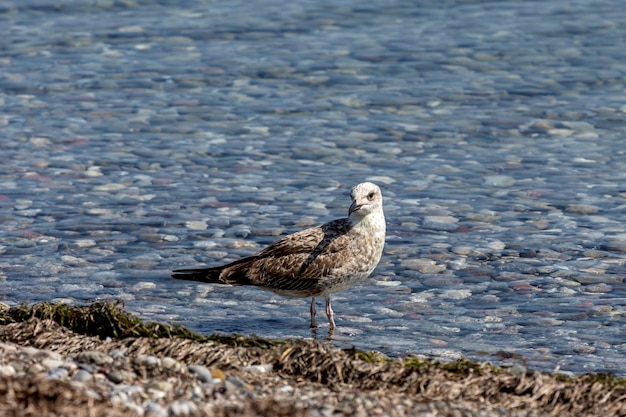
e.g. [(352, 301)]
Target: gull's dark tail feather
[(210, 275), (234, 273)]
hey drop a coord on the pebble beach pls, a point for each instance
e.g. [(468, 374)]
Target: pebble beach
[(104, 362), (141, 137)]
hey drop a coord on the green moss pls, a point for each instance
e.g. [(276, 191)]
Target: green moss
[(372, 356), (460, 366), (108, 319), (603, 378), (416, 362), (466, 366)]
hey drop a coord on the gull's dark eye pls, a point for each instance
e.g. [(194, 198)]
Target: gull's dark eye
[(371, 195)]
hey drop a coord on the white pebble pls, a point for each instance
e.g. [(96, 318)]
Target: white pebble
[(196, 225), (85, 243), (7, 371), (259, 368), (52, 363), (388, 283), (150, 361), (153, 409), (182, 408), (388, 312), (201, 372), (456, 294), (109, 187), (383, 179), (499, 180), (144, 285)]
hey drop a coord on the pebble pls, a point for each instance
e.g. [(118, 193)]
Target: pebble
[(171, 363), (150, 361), (50, 363), (388, 283), (518, 370), (388, 312), (155, 394), (582, 209), (598, 288), (119, 376), (94, 357), (153, 409), (182, 408), (425, 266), (7, 371), (456, 294), (196, 225), (58, 373), (440, 222), (201, 371), (462, 250), (159, 388), (259, 368), (499, 181), (82, 376)]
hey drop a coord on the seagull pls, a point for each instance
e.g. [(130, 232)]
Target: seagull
[(315, 262)]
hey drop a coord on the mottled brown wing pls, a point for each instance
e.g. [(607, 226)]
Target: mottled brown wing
[(295, 262)]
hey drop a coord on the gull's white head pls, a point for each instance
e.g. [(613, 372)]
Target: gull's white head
[(366, 199)]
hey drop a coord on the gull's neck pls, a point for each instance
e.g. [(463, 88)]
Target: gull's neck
[(372, 223)]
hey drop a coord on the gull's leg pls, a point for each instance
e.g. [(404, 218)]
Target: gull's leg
[(313, 325), (329, 313)]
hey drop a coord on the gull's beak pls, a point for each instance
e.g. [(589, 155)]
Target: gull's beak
[(354, 207)]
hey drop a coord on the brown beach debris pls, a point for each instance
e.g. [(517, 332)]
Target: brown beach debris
[(255, 376)]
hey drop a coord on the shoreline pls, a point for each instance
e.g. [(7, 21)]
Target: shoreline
[(99, 360)]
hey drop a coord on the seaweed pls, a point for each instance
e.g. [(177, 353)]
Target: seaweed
[(109, 319)]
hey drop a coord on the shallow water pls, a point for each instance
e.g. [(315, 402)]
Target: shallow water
[(139, 138)]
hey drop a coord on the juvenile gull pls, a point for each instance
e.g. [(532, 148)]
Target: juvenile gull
[(314, 262)]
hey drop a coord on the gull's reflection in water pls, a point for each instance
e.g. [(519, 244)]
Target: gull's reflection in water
[(329, 334)]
